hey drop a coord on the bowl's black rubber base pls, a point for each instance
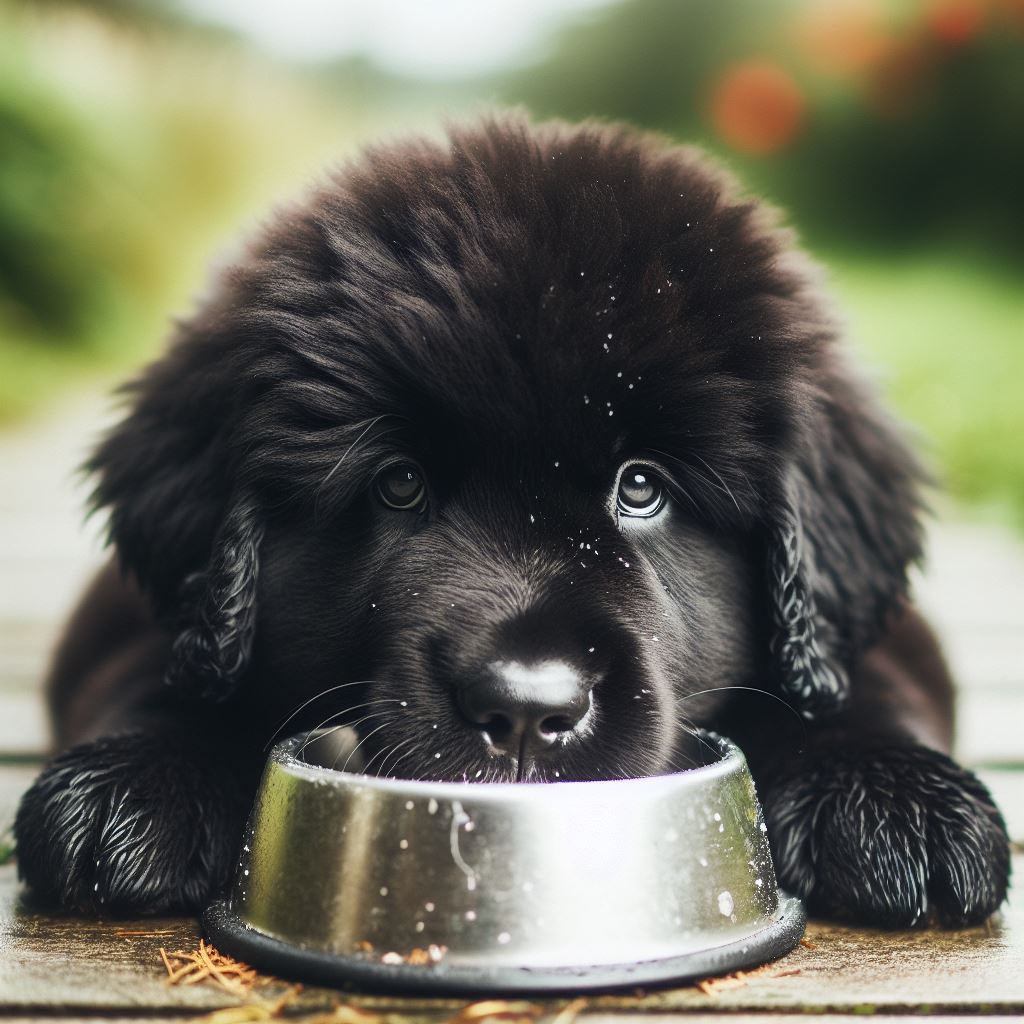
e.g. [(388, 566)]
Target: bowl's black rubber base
[(227, 932)]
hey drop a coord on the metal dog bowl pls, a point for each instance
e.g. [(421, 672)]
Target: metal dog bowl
[(466, 888)]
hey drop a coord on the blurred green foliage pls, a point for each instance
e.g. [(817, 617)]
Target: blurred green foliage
[(946, 340), (130, 153), (910, 111), (134, 144)]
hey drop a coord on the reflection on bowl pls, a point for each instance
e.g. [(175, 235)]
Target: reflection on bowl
[(507, 887)]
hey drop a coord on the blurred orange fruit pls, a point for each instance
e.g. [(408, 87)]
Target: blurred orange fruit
[(756, 107), (956, 21)]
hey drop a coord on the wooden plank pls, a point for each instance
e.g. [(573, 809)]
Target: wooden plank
[(24, 728), (56, 962), (1007, 788), (989, 727)]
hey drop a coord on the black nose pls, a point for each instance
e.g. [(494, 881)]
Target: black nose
[(525, 707)]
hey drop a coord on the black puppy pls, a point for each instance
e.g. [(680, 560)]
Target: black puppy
[(523, 454)]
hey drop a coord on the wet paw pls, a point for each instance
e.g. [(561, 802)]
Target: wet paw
[(891, 836), (126, 824)]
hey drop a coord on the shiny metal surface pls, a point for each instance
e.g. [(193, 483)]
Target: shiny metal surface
[(495, 875)]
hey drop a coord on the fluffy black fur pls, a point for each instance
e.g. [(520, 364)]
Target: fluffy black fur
[(521, 312)]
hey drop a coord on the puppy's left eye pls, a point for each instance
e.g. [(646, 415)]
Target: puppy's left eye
[(641, 492), (401, 487)]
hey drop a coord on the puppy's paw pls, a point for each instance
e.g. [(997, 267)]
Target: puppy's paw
[(126, 824), (891, 836)]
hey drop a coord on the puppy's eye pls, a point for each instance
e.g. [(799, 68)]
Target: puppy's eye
[(401, 487), (641, 492)]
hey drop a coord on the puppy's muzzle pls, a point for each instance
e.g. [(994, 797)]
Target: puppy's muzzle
[(524, 709)]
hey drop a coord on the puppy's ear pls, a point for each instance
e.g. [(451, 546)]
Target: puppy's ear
[(218, 609), (813, 679), (165, 473), (843, 534)]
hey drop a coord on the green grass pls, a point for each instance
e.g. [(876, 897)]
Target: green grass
[(947, 339)]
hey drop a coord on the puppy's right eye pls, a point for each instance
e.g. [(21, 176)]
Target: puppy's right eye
[(401, 487), (641, 492)]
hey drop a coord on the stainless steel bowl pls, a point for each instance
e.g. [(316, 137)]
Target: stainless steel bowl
[(465, 887)]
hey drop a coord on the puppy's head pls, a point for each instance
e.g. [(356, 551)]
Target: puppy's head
[(518, 450)]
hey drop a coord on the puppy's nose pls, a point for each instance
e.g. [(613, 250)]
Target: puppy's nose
[(525, 707)]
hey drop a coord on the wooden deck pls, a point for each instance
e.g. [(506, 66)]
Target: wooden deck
[(67, 968)]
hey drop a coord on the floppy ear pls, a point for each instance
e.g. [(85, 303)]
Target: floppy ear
[(843, 534), (163, 470), (815, 681), (165, 475), (218, 613)]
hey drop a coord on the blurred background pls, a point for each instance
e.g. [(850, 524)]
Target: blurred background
[(138, 138)]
